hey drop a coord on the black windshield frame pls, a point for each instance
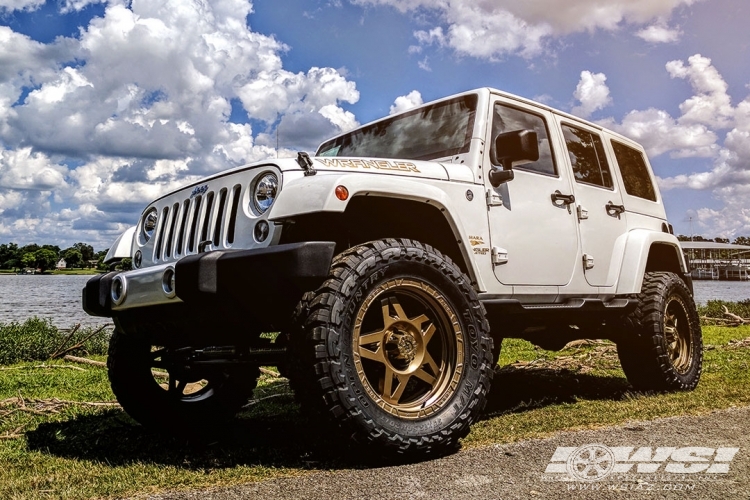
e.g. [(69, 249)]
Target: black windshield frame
[(436, 131)]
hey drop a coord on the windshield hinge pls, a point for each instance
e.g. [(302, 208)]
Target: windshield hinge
[(306, 163), (494, 198)]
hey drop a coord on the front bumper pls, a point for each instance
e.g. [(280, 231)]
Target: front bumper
[(257, 283)]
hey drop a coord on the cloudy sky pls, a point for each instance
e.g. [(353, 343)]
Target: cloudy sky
[(105, 105)]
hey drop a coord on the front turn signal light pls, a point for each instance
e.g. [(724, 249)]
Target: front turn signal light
[(342, 193)]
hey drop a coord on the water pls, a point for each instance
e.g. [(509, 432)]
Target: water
[(706, 290), (57, 297)]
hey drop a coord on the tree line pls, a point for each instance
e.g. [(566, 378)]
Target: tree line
[(45, 257), (740, 240)]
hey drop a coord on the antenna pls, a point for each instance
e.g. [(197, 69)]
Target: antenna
[(691, 228), (277, 139)]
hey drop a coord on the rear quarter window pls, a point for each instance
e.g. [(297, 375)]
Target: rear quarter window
[(634, 172)]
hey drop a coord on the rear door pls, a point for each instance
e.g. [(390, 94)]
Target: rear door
[(600, 211)]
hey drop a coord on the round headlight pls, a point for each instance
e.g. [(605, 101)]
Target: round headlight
[(149, 224), (265, 192)]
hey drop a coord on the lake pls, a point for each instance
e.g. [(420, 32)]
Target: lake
[(58, 297), (706, 290)]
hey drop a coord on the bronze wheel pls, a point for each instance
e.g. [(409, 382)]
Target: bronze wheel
[(408, 362), (660, 345), (394, 349), (677, 334)]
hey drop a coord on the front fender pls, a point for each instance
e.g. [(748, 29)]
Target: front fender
[(637, 249), (121, 248), (317, 193)]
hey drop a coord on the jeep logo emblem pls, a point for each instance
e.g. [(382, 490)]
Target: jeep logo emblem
[(198, 190)]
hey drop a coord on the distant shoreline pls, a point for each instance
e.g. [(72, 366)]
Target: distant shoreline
[(56, 272)]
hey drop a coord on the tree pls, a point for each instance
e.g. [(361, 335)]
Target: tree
[(28, 260), (53, 248), (87, 252), (742, 240), (30, 248), (10, 256), (125, 264), (72, 257), (45, 258)]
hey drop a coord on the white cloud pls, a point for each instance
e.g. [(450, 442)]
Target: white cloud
[(11, 5), (140, 103), (659, 133), (697, 132), (77, 5), (660, 32), (22, 169), (592, 93), (406, 102), (494, 28), (711, 105)]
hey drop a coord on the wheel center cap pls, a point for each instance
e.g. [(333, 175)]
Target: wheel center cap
[(401, 348)]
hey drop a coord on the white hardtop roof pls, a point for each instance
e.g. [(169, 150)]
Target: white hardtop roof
[(507, 95)]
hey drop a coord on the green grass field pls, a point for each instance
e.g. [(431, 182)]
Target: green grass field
[(62, 435)]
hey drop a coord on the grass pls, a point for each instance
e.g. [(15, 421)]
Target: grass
[(91, 270), (56, 445), (38, 339), (715, 308)]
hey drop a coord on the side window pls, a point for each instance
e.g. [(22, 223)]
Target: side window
[(587, 157), (507, 119), (634, 172)]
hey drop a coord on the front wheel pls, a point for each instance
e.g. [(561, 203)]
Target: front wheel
[(662, 346), (156, 387), (395, 349)]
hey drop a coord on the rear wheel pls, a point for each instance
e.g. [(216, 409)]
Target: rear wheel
[(395, 349), (158, 387), (662, 345)]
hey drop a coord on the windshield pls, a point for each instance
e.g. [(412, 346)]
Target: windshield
[(443, 129)]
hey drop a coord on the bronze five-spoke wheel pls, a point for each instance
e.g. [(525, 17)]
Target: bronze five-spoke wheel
[(409, 364), (661, 346), (677, 334), (394, 348)]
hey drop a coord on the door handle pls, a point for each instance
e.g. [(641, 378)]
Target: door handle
[(614, 210), (562, 200)]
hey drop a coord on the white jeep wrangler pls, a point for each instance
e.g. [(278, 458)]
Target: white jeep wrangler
[(391, 263)]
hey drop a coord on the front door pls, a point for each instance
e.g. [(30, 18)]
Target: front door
[(532, 219)]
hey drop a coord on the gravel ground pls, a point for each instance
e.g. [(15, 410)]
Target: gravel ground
[(518, 470)]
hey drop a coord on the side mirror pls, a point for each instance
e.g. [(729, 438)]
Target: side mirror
[(509, 147)]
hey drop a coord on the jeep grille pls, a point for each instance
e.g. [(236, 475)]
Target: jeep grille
[(189, 226)]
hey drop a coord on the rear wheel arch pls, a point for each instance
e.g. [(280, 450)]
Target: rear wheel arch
[(664, 257), (648, 251)]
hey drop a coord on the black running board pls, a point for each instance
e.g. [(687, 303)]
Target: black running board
[(574, 308)]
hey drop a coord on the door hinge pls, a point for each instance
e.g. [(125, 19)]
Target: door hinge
[(588, 261), (499, 256), (494, 198), (583, 214)]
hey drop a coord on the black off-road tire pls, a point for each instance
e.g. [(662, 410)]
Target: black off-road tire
[(661, 345), (377, 318), (173, 408)]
